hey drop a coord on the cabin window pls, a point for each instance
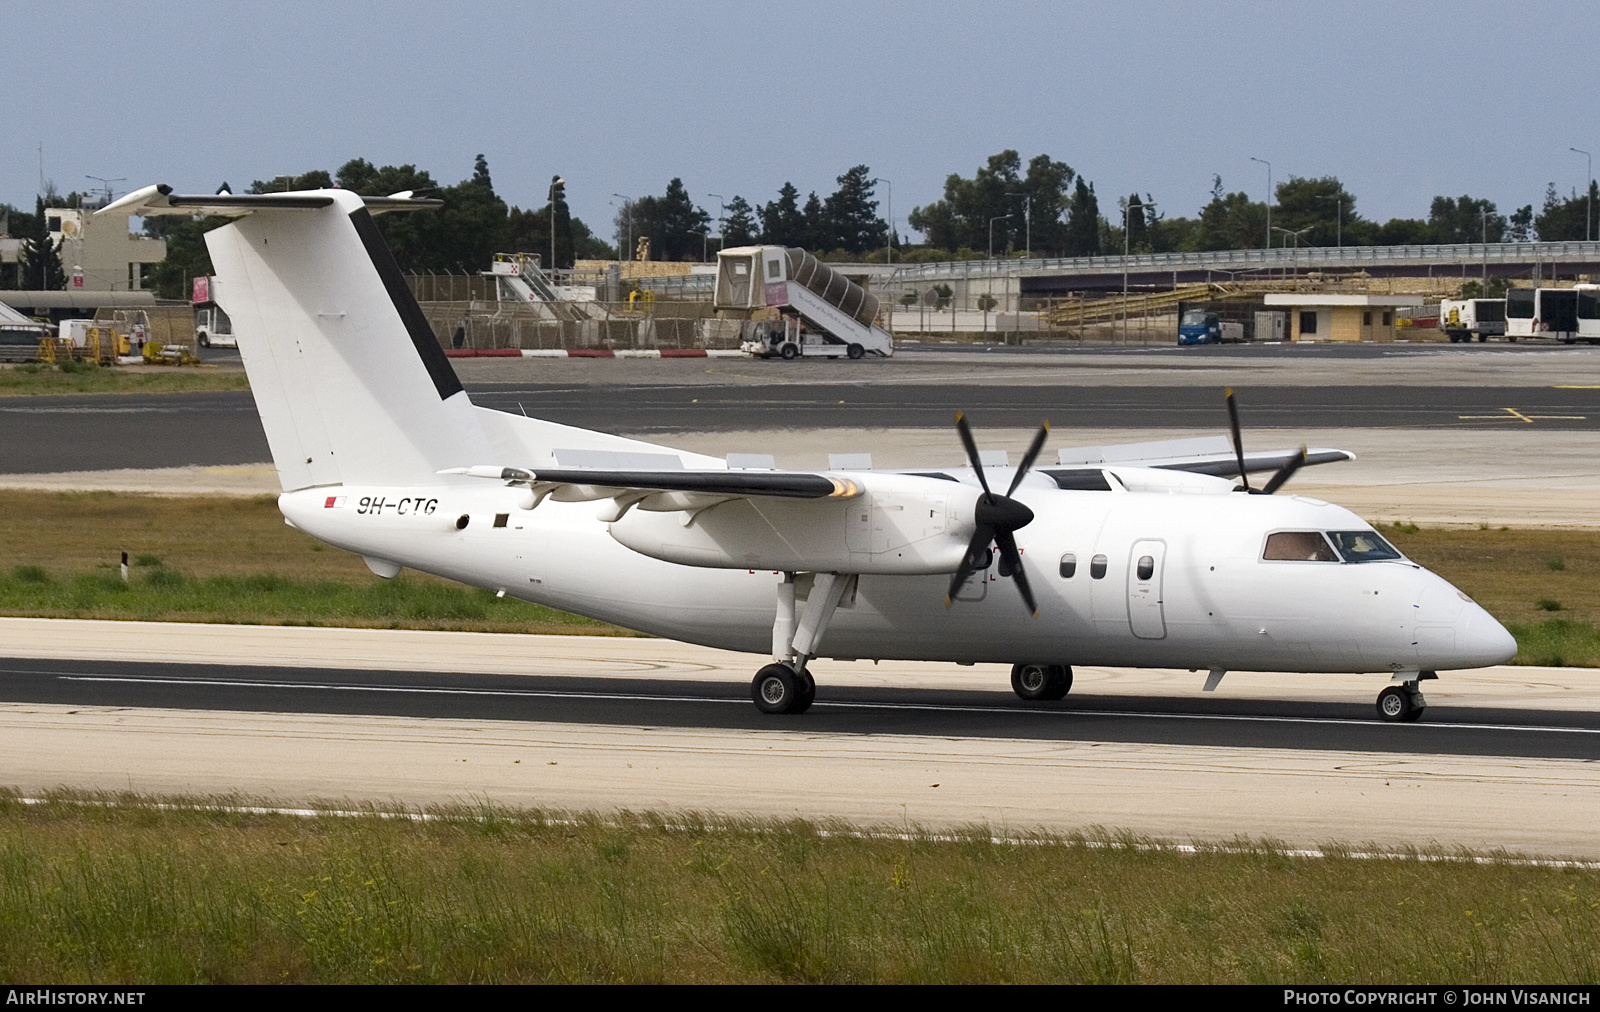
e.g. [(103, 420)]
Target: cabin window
[(740, 268), (1363, 546), (1298, 546), (1069, 565), (1146, 567), (1097, 567), (773, 270)]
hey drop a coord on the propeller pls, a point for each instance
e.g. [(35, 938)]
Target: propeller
[(996, 518), (1283, 473)]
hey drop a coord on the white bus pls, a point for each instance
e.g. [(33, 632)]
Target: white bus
[(1542, 312)]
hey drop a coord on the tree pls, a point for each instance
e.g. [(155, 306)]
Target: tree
[(1082, 237), (672, 223), (739, 227), (41, 262), (316, 179), (1321, 209), (1138, 238), (999, 190), (1519, 227), (1465, 219), (782, 221), (851, 214), (817, 231), (1565, 219), (1230, 220)]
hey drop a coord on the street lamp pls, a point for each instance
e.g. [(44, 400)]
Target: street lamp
[(627, 205), (1001, 217), (555, 181), (1588, 197), (1268, 164), (722, 226), (1126, 207), (106, 183), (1027, 218), (1338, 211), (888, 246)]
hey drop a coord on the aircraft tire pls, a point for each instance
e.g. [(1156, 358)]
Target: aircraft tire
[(855, 351), (808, 694), (1397, 704), (777, 689), (1041, 682)]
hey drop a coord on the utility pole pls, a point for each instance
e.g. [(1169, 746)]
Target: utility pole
[(888, 246), (1127, 205), (1588, 196), (1268, 164), (1001, 217)]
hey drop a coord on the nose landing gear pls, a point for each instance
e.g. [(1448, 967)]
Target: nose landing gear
[(1403, 701)]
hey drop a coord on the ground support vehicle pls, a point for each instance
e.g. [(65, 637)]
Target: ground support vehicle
[(212, 328), (1197, 326), (793, 304), (1543, 312), (1463, 319)]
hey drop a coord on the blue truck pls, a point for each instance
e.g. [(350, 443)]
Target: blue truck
[(1197, 326)]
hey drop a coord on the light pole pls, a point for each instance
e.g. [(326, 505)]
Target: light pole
[(1589, 200), (106, 183), (1027, 218), (722, 225), (1268, 164), (627, 205), (1484, 214), (555, 181), (1001, 217), (888, 246)]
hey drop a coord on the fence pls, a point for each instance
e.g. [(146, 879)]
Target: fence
[(486, 325)]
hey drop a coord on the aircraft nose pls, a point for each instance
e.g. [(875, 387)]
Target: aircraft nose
[(1481, 640)]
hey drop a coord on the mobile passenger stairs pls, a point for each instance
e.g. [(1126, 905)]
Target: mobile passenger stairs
[(792, 304)]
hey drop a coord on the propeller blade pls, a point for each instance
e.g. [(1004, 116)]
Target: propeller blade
[(1029, 457), (1011, 565), (965, 431), (1238, 440), (969, 562), (1285, 472)]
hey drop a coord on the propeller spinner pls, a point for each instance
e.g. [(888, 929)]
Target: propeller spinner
[(996, 518), (1283, 473)]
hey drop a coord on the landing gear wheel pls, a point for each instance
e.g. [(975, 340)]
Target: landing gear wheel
[(777, 689), (789, 352), (1400, 704), (855, 351), (1041, 682)]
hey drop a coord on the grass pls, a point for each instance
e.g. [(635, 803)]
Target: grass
[(201, 559), (130, 892), (37, 378)]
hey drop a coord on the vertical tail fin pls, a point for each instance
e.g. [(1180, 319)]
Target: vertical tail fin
[(351, 385)]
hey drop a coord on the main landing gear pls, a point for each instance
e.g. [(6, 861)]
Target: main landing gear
[(1035, 682), (1402, 702), (785, 686)]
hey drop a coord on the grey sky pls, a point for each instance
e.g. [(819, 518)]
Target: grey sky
[(1400, 101)]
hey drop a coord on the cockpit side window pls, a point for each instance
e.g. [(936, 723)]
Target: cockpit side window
[(1364, 546), (1298, 546)]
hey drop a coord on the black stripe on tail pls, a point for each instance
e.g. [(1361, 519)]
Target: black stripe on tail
[(433, 356)]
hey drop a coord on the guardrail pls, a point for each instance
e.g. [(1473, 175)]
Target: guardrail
[(1230, 261)]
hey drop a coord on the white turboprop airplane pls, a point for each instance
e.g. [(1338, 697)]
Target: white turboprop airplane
[(1158, 560)]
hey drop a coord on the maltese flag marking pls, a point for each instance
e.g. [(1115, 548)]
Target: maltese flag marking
[(333, 502)]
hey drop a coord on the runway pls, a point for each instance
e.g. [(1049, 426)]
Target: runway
[(1504, 758), (1169, 390)]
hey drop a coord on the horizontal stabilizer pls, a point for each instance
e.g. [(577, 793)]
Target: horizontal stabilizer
[(159, 199)]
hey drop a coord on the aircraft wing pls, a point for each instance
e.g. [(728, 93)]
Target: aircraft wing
[(796, 521), (1212, 455)]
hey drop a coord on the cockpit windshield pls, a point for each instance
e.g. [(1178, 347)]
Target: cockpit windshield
[(1363, 546)]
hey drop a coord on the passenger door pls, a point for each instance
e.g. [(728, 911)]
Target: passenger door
[(1146, 564)]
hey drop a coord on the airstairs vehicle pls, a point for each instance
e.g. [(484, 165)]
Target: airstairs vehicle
[(818, 311)]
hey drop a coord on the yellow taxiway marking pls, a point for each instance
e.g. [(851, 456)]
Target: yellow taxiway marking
[(1513, 415), (1576, 386)]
